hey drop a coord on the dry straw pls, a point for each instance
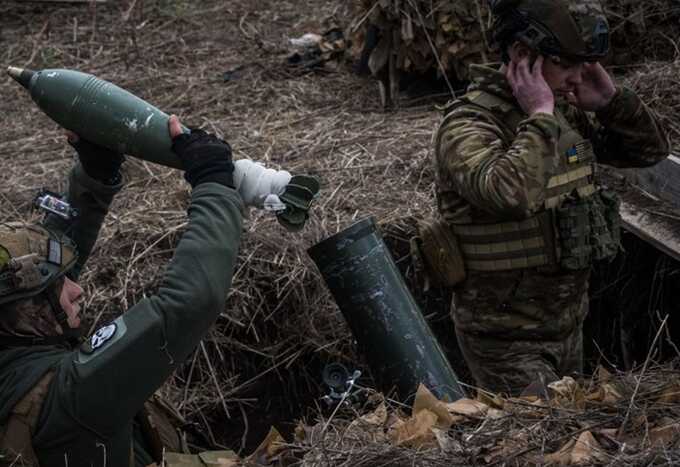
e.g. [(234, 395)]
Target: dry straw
[(262, 361)]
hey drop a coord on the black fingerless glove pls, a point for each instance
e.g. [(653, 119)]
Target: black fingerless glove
[(205, 158), (100, 163)]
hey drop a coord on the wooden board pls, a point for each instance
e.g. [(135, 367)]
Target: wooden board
[(659, 230), (650, 203), (661, 180)]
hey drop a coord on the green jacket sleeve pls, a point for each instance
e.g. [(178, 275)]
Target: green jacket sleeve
[(626, 133), (92, 200), (121, 370), (631, 135), (502, 174)]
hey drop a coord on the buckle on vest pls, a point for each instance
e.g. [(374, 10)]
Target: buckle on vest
[(26, 274)]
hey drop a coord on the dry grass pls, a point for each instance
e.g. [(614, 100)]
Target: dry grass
[(261, 363), (522, 431)]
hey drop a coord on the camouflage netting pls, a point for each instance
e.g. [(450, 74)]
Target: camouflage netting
[(419, 36), (411, 31)]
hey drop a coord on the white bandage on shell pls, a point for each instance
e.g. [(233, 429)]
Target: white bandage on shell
[(259, 186)]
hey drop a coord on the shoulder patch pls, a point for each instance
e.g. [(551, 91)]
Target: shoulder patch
[(99, 338)]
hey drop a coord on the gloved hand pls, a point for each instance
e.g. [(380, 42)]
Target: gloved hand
[(100, 163), (205, 158)]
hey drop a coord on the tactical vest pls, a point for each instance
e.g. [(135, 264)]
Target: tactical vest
[(161, 435), (16, 448), (577, 223)]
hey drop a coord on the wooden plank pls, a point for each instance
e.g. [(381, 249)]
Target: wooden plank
[(658, 229), (661, 180)]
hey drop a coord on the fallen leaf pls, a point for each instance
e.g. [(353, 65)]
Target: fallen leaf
[(219, 458), (468, 408), (670, 394), (567, 393), (268, 448), (370, 427), (608, 394), (583, 450), (602, 375), (415, 432), (446, 443), (587, 450), (425, 400), (664, 436)]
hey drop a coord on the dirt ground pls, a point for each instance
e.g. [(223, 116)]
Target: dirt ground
[(262, 363)]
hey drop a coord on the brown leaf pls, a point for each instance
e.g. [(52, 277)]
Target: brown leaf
[(670, 394), (415, 432), (568, 393), (602, 375), (664, 436), (468, 408), (219, 459), (268, 448), (425, 400), (584, 450), (370, 427)]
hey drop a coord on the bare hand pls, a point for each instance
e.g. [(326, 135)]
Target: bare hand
[(529, 86), (596, 90), (174, 127), (72, 137)]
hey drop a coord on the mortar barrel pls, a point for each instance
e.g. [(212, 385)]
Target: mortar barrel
[(385, 320)]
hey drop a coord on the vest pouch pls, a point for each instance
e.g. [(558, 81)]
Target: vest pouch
[(437, 248), (16, 436), (573, 221), (606, 225), (204, 459), (160, 423)]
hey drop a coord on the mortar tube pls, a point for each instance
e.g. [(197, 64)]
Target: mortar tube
[(385, 320)]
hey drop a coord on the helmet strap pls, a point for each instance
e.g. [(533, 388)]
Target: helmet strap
[(69, 335)]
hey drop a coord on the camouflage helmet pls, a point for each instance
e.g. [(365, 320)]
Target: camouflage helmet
[(31, 259), (576, 30)]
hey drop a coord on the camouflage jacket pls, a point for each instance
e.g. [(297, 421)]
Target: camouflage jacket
[(488, 172)]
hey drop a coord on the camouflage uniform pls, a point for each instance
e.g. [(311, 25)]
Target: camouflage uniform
[(519, 326)]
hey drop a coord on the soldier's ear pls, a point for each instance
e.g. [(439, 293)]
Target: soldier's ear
[(518, 51)]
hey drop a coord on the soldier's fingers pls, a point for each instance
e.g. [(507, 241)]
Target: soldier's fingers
[(510, 72), (514, 78), (174, 127), (72, 137), (537, 68), (523, 72)]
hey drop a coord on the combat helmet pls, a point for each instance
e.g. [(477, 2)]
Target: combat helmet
[(31, 259), (576, 30)]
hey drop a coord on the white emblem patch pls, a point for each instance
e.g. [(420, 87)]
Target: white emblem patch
[(102, 335)]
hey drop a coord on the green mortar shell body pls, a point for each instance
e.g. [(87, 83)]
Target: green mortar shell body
[(104, 113), (384, 318)]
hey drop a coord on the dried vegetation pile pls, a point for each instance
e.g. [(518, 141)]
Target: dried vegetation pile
[(220, 65), (398, 37), (614, 420)]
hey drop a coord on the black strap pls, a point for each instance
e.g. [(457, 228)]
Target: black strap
[(72, 337), (29, 341)]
